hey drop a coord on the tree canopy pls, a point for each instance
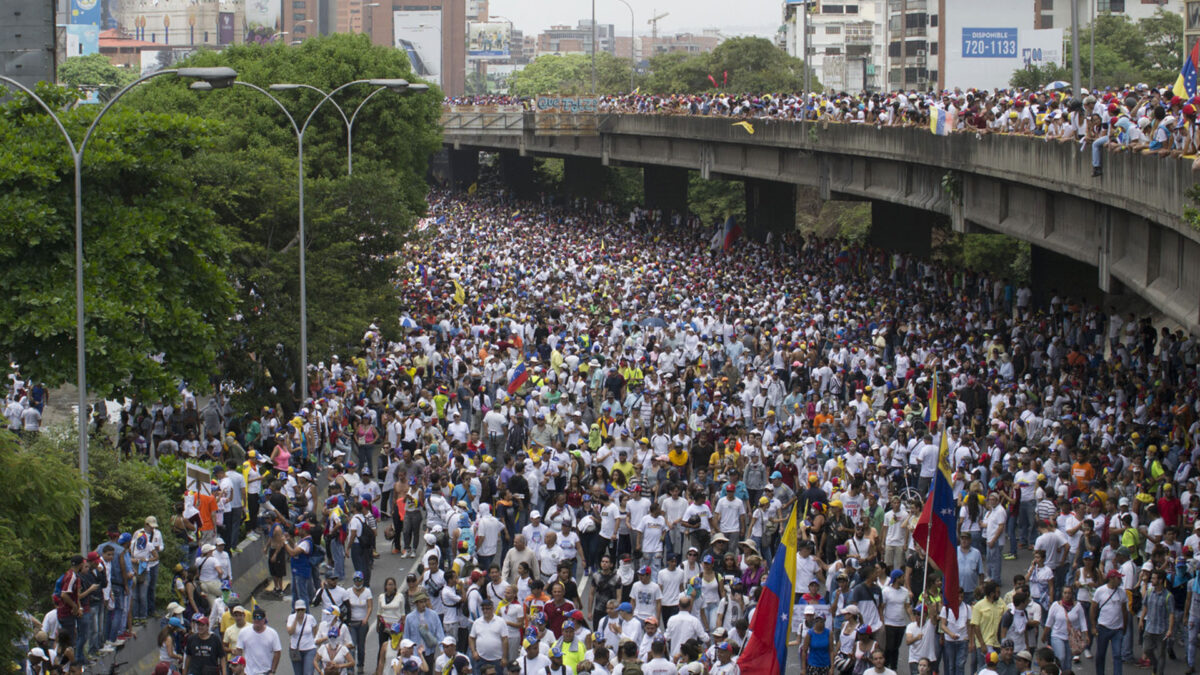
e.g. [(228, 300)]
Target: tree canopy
[(743, 64), (353, 224), (94, 71), (571, 75), (156, 293), (1149, 50)]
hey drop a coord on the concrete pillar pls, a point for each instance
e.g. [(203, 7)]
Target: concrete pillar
[(666, 188), (464, 168), (517, 173), (584, 177), (902, 228), (770, 207), (1053, 274)]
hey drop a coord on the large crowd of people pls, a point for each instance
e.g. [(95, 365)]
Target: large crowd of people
[(1134, 118), (590, 429)]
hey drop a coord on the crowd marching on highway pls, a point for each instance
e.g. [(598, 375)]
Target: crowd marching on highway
[(1135, 118), (591, 428)]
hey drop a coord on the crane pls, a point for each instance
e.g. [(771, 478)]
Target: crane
[(654, 25)]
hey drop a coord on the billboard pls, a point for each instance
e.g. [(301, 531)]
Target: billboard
[(264, 13), (158, 59), (225, 28), (489, 39), (82, 39), (986, 42), (85, 12), (419, 34)]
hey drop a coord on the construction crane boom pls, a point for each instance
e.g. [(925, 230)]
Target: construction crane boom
[(654, 25)]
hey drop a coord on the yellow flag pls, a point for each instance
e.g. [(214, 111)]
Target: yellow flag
[(745, 125), (460, 295), (471, 190)]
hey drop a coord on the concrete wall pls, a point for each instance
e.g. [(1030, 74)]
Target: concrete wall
[(1128, 225)]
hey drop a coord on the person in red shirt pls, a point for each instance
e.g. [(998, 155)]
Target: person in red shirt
[(1169, 506), (558, 609)]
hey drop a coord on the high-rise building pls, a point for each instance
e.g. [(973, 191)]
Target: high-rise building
[(578, 40), (1057, 13), (845, 41)]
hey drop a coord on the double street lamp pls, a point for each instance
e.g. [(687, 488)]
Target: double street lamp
[(215, 78), (397, 85)]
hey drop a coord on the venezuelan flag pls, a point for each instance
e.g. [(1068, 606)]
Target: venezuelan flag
[(932, 412), (766, 651), (941, 122), (1185, 84), (937, 528), (519, 376)]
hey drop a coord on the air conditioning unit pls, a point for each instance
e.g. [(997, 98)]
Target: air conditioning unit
[(920, 53)]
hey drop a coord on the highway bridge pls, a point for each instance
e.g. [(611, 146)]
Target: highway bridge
[(1124, 231)]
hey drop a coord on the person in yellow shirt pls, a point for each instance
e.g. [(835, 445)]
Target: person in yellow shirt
[(624, 466)]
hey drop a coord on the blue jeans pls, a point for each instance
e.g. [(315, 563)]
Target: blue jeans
[(302, 662), (993, 562), (1097, 148), (139, 583), (302, 587), (1011, 526), (151, 586), (954, 658), (1193, 632), (337, 551), (1027, 523), (98, 616), (361, 558), (1105, 637), (116, 618), (1062, 650), (83, 633), (359, 630)]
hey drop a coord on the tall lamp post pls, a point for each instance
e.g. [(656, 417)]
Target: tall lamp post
[(299, 129), (215, 78), (632, 37)]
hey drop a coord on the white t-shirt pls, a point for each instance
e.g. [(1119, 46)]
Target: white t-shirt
[(1027, 481), (652, 529), (259, 649), (957, 625), (645, 596), (730, 512), (894, 600), (894, 522), (994, 523), (535, 666), (927, 646), (302, 638), (671, 584), (487, 635)]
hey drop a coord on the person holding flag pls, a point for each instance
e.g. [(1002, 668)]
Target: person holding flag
[(765, 653)]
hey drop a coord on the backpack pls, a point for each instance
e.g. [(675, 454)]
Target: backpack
[(366, 538)]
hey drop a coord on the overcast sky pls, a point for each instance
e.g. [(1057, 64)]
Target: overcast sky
[(737, 17)]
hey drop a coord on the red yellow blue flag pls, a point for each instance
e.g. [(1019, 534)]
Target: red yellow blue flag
[(766, 651), (1185, 84)]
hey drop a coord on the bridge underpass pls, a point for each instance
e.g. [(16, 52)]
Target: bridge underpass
[(1125, 231)]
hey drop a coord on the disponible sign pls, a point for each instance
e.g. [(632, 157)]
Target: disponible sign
[(989, 43)]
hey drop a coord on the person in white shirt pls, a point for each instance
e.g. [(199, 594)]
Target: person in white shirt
[(532, 662), (994, 534), (651, 534), (955, 629), (488, 638), (877, 665), (684, 626), (658, 663), (731, 515), (260, 645), (302, 634), (670, 582), (645, 595)]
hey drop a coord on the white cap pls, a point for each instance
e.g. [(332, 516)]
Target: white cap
[(300, 604)]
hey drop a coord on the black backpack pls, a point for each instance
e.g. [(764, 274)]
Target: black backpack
[(366, 538)]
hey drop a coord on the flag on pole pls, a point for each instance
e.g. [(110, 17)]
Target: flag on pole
[(937, 528), (941, 122), (931, 412), (766, 651), (732, 232), (519, 376), (1185, 84)]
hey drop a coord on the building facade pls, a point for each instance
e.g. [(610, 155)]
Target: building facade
[(845, 41)]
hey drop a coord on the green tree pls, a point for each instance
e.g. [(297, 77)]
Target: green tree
[(476, 83), (1126, 52), (1035, 77), (745, 64), (38, 531), (94, 71), (715, 200), (155, 287), (571, 75), (353, 225)]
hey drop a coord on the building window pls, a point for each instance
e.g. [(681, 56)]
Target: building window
[(298, 4), (299, 16), (852, 9), (833, 51), (833, 9), (933, 47), (1047, 21), (833, 30), (933, 20), (1047, 5), (300, 29)]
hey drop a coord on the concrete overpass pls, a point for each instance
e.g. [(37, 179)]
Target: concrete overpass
[(1124, 230)]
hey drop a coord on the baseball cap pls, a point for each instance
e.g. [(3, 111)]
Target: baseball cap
[(407, 644), (646, 570), (625, 607), (896, 574), (449, 640), (1113, 574), (810, 610), (1024, 654)]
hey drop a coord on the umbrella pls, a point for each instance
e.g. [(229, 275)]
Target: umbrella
[(407, 322), (1058, 84), (653, 322)]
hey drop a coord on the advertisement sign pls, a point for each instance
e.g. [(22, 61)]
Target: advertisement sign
[(566, 104), (85, 12), (1041, 47), (157, 59), (989, 43), (264, 14), (419, 34), (225, 28), (82, 39), (489, 39)]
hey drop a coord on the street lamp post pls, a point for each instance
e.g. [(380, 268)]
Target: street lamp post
[(299, 129), (215, 78), (632, 58)]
